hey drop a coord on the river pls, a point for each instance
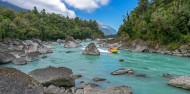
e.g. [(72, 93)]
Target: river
[(153, 65)]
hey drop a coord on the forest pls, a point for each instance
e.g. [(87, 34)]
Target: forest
[(45, 26), (166, 22)]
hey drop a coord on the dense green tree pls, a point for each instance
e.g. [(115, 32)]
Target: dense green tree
[(45, 26), (164, 21)]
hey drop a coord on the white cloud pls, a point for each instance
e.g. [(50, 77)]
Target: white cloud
[(86, 5), (55, 6)]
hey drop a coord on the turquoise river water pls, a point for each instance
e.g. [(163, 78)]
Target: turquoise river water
[(153, 65)]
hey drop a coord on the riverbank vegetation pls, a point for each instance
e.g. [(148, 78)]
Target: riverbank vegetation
[(44, 26), (166, 22)]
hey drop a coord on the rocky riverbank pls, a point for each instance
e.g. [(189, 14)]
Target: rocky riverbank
[(145, 46), (20, 52)]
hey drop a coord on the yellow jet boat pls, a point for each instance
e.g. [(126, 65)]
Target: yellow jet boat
[(112, 50)]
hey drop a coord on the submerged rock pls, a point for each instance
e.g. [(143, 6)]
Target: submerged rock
[(122, 71), (121, 60), (97, 79), (167, 75), (54, 76), (13, 81), (181, 82), (91, 49), (142, 75)]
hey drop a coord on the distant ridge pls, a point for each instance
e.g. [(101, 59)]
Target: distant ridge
[(107, 30), (16, 8)]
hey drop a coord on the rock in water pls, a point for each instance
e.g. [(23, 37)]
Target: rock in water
[(119, 90), (91, 49), (54, 76), (181, 82), (97, 79), (122, 71), (13, 81)]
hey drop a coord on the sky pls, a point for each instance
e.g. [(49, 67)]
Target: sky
[(108, 12)]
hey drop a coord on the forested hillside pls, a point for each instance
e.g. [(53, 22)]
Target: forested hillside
[(164, 21), (45, 26)]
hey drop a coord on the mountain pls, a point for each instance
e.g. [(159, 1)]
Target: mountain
[(107, 30), (5, 4)]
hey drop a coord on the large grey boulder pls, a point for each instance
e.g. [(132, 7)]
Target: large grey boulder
[(13, 81), (181, 82), (54, 76), (44, 50), (71, 44), (6, 58), (119, 90), (122, 71), (32, 56), (91, 49)]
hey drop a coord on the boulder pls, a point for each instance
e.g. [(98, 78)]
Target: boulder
[(90, 85), (13, 81), (115, 45), (97, 79), (6, 58), (54, 90), (32, 56), (16, 53), (119, 90), (180, 82), (71, 44), (31, 48), (54, 76), (3, 47), (44, 50), (91, 49), (60, 41), (185, 50), (17, 42), (139, 46), (20, 61), (122, 71)]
